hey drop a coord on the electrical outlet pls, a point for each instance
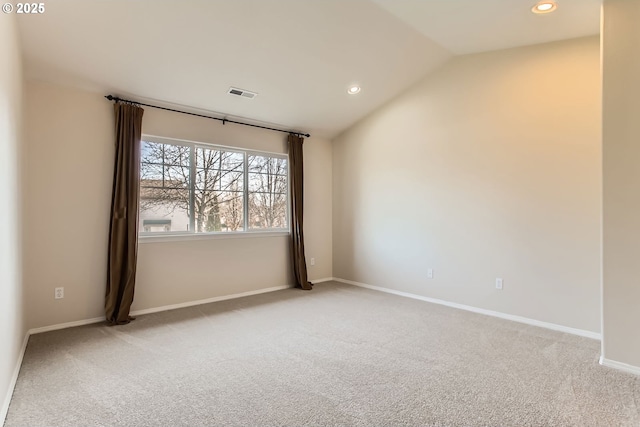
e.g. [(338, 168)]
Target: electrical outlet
[(430, 273), (59, 293), (499, 283), (313, 261)]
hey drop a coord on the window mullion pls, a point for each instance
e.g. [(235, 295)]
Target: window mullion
[(245, 190), (192, 189), (288, 196)]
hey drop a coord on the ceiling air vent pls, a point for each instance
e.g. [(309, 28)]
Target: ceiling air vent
[(241, 92)]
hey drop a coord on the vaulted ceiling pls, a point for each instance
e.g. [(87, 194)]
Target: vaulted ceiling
[(300, 56)]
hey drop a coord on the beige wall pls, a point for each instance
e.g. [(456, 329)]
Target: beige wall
[(490, 167), (12, 330), (68, 165), (318, 218), (621, 170), (228, 266), (69, 168)]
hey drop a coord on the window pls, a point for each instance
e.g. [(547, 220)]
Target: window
[(188, 188), (267, 192)]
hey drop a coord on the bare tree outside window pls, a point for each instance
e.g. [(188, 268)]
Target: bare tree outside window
[(268, 190), (201, 189), (218, 190), (215, 200)]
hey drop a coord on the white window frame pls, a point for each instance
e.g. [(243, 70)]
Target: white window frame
[(174, 236)]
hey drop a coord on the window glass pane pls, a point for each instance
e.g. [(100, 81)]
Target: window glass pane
[(176, 177), (206, 158), (146, 149), (176, 155), (265, 164), (210, 158), (164, 210), (151, 173), (164, 165), (164, 188), (234, 161), (267, 192), (159, 176), (217, 170), (217, 211), (219, 180), (267, 210), (214, 201)]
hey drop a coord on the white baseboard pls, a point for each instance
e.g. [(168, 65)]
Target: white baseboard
[(12, 384), (65, 325), (326, 279), (155, 309), (619, 366), (207, 301), (519, 319)]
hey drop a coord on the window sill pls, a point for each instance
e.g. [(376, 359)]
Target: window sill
[(209, 236)]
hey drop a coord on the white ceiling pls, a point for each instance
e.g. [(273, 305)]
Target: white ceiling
[(464, 26), (299, 55)]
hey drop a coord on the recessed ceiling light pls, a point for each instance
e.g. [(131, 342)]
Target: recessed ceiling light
[(353, 90), (544, 7)]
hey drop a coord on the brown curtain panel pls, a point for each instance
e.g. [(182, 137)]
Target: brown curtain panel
[(123, 233), (297, 238)]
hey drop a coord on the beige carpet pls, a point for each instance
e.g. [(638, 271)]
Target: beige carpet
[(338, 355)]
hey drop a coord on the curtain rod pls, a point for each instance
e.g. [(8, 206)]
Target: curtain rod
[(116, 99)]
